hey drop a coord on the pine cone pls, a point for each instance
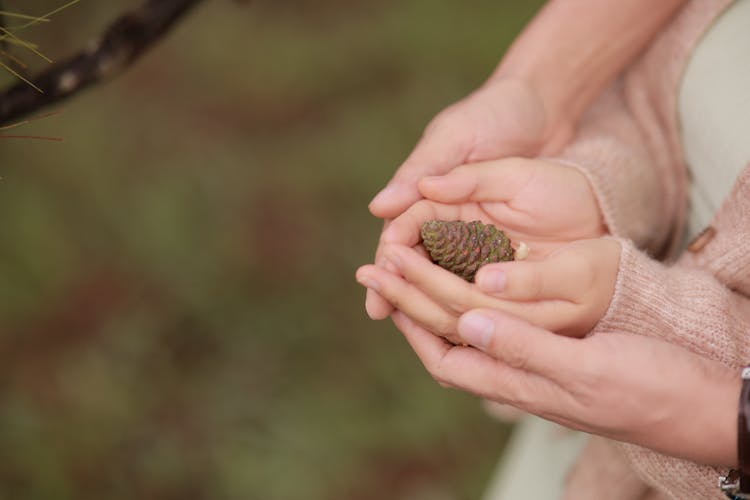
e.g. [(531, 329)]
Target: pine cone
[(464, 247)]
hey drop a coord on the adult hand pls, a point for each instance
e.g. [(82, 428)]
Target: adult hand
[(621, 386), (539, 202), (505, 117), (567, 291)]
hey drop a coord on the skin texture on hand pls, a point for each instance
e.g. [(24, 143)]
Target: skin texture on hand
[(622, 386), (503, 118), (539, 202), (531, 104), (533, 101), (567, 291)]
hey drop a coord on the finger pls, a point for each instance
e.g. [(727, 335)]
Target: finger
[(407, 298), (376, 306), (444, 145), (443, 287), (560, 276), (475, 371), (426, 344), (458, 296), (493, 181), (405, 229), (519, 344)]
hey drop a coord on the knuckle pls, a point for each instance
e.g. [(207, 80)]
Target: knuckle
[(512, 390), (445, 325), (395, 293), (443, 118), (434, 368), (422, 210), (516, 356), (460, 303), (586, 382), (534, 283)]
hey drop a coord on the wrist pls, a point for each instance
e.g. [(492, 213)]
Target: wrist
[(710, 414), (557, 117), (698, 419), (736, 483), (720, 401)]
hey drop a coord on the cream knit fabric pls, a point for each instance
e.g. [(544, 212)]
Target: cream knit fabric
[(629, 146)]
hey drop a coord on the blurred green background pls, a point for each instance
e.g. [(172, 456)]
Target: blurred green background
[(178, 313)]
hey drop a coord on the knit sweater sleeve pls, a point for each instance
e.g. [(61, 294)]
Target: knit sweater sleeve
[(637, 198), (682, 304), (685, 304)]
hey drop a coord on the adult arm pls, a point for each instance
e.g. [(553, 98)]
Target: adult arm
[(532, 102), (573, 49)]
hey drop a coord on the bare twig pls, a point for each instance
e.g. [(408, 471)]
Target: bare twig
[(122, 43)]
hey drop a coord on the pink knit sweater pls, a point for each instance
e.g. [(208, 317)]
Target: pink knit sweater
[(629, 147)]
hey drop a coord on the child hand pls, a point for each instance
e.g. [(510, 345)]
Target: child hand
[(505, 117), (539, 202), (567, 291)]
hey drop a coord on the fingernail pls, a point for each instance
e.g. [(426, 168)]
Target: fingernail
[(476, 329), (368, 283), (492, 280)]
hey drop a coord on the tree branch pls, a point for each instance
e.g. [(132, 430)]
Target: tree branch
[(123, 42)]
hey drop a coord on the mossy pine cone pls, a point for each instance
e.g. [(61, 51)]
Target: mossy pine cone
[(463, 247)]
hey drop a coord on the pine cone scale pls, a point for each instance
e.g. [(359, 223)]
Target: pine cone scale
[(463, 247)]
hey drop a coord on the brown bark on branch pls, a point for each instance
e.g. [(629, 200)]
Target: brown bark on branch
[(123, 42)]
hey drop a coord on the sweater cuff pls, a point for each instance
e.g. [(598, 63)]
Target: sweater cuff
[(637, 290), (611, 150), (624, 193), (680, 478), (684, 306)]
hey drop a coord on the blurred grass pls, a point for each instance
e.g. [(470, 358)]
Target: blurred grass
[(178, 315)]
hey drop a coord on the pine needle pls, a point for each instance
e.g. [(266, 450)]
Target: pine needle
[(18, 42), (37, 137), (30, 120), (8, 36), (16, 15), (19, 76), (37, 20), (26, 122), (13, 58), (32, 49)]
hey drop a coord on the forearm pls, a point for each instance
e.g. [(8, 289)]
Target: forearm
[(574, 48)]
